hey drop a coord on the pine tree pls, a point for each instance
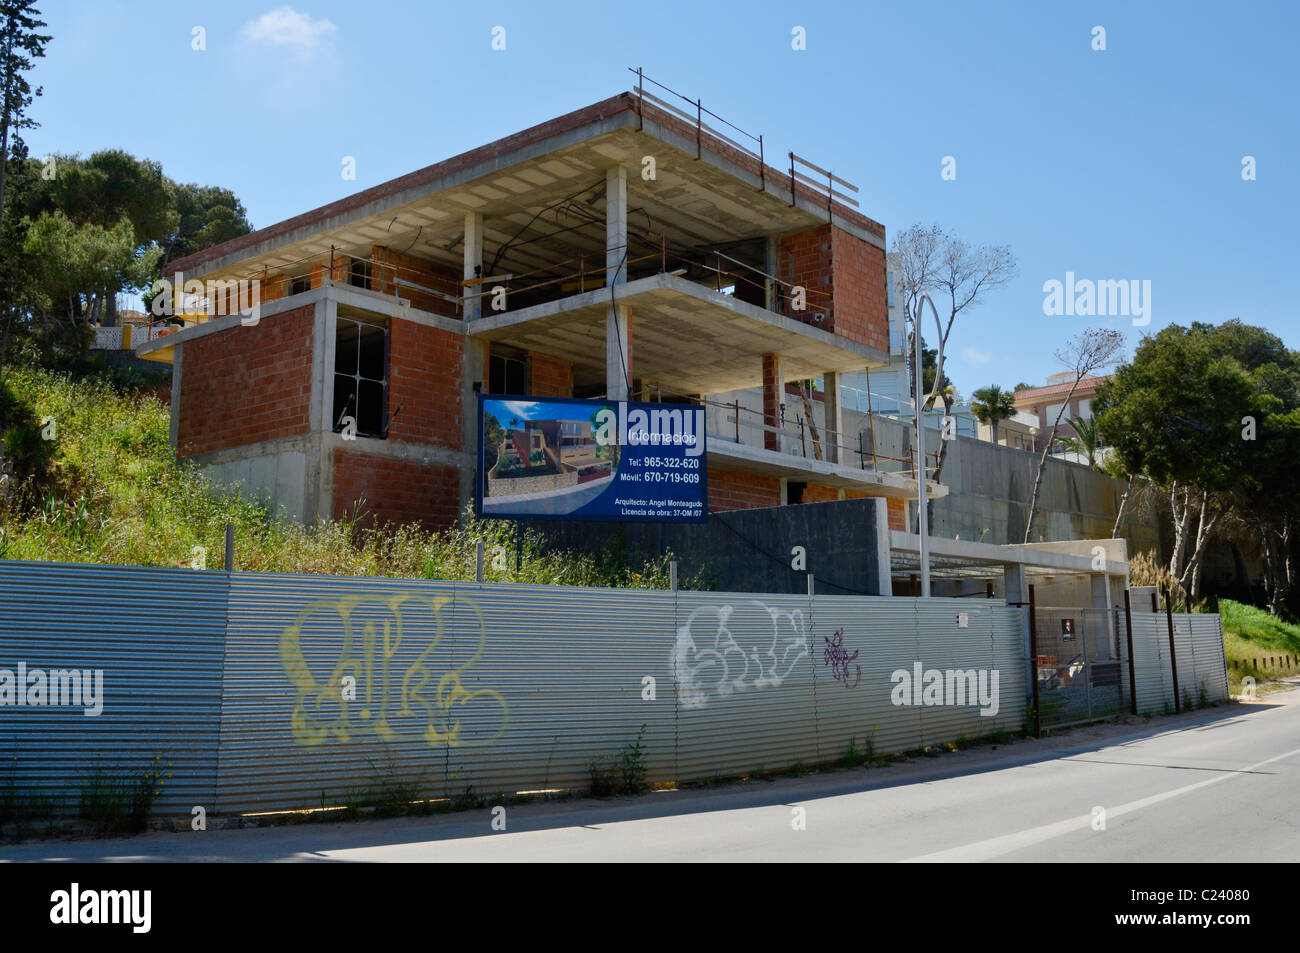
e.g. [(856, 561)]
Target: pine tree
[(20, 46)]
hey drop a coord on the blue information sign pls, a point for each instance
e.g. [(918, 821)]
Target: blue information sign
[(562, 458)]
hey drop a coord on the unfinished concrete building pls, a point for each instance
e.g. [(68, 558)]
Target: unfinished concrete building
[(626, 250)]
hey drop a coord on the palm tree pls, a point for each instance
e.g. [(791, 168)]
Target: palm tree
[(1086, 443), (991, 405)]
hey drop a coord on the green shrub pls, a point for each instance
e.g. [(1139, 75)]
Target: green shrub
[(620, 774), (113, 492), (116, 800), (19, 804), (632, 765), (390, 793)]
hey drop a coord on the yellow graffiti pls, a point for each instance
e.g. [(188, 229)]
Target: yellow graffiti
[(362, 679)]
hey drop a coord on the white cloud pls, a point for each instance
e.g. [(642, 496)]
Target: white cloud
[(521, 409), (284, 26), (976, 356)]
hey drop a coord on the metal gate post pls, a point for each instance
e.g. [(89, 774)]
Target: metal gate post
[(1087, 663), (1173, 652), (1132, 676), (1033, 657)]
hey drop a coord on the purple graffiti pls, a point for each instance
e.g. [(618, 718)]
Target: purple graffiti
[(838, 658)]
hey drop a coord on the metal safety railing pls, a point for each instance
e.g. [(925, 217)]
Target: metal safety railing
[(375, 273), (584, 272), (796, 434), (799, 167), (701, 127), (643, 257)]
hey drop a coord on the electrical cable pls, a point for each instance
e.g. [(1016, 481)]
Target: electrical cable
[(413, 241), (502, 249), (618, 334)]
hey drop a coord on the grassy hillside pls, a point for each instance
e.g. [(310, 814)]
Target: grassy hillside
[(1251, 635), (111, 491)]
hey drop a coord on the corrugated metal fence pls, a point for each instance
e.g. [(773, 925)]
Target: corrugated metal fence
[(266, 692), (156, 636), (1198, 646)]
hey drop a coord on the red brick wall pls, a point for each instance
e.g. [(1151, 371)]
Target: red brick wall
[(897, 515), (246, 384), (861, 305), (424, 378), (338, 273), (846, 281), (393, 490), (275, 287), (773, 391), (389, 265), (805, 259), (735, 490), (549, 377), (816, 493), (228, 302)]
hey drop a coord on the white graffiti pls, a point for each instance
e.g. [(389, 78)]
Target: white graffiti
[(707, 660)]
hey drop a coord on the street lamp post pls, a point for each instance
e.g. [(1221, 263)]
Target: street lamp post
[(923, 520)]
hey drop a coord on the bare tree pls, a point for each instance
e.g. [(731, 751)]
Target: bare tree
[(1138, 501), (1211, 508), (957, 274), (1083, 354), (1113, 467), (1123, 505), (918, 251)]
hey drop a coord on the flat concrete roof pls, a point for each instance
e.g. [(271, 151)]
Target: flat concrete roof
[(1037, 555), (717, 197), (689, 338)]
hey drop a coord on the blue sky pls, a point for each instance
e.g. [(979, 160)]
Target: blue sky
[(1116, 164)]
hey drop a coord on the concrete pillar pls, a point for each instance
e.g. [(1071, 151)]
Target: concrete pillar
[(324, 348), (1100, 584), (473, 369), (771, 261), (773, 398), (884, 581), (319, 501), (1014, 584), (617, 351), (474, 379), (174, 427), (834, 416), (473, 263), (615, 225)]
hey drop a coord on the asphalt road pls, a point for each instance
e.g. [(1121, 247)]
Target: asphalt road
[(1220, 785)]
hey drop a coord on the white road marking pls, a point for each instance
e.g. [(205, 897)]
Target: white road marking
[(997, 846)]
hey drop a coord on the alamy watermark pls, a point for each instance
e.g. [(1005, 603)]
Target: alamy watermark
[(224, 296), (57, 688), (1084, 297), (932, 686), (77, 906)]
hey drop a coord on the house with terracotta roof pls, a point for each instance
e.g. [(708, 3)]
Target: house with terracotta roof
[(1044, 403)]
